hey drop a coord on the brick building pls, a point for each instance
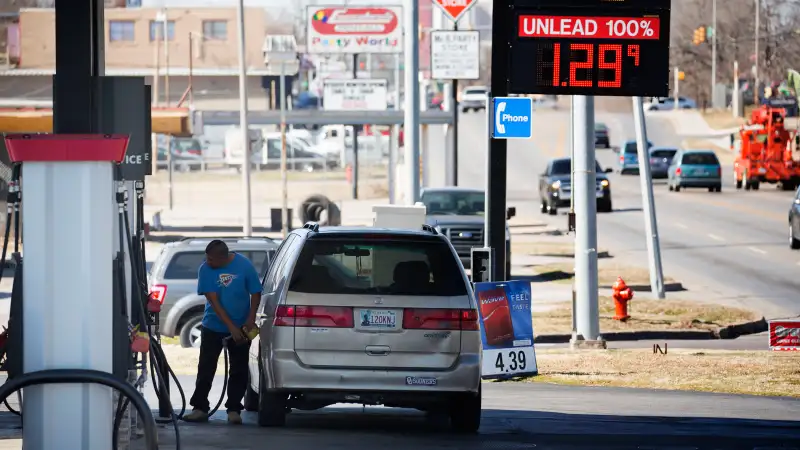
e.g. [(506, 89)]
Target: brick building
[(203, 39)]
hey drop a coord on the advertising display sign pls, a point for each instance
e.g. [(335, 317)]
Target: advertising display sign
[(506, 329), (455, 55), (355, 95), (591, 47), (342, 30), (784, 335)]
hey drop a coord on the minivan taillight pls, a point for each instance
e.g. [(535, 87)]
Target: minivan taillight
[(440, 319), (313, 316), (678, 171), (719, 171), (159, 292)]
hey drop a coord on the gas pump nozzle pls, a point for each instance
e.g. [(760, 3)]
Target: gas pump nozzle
[(249, 334)]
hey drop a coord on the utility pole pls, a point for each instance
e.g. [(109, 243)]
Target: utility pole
[(394, 147), (412, 93), (676, 91), (284, 171), (156, 76), (247, 225), (584, 188), (355, 137), (755, 65), (713, 53), (650, 224), (736, 90)]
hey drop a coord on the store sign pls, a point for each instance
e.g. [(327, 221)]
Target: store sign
[(355, 95), (336, 29), (455, 55)]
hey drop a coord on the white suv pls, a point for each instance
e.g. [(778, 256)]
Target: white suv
[(366, 316), (473, 98)]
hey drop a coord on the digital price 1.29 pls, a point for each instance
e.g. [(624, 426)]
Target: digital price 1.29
[(582, 57), (509, 361)]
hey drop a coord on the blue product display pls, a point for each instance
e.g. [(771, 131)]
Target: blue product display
[(506, 328)]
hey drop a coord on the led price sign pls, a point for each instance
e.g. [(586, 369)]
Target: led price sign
[(564, 50)]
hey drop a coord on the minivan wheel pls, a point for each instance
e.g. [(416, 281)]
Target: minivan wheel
[(271, 408), (465, 413), (191, 331)]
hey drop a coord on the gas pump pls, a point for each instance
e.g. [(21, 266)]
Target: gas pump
[(66, 361)]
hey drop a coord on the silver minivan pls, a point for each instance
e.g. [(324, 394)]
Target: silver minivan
[(367, 316)]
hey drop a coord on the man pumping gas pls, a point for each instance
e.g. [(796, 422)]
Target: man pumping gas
[(231, 285)]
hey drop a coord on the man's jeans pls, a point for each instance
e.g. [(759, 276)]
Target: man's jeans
[(211, 345)]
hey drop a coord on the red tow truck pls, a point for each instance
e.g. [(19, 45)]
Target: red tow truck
[(764, 152)]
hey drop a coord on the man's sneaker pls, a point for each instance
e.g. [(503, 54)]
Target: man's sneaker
[(196, 416), (234, 418)]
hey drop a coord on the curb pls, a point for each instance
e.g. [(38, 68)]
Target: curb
[(729, 332)]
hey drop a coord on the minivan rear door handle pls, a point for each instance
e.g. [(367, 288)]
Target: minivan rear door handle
[(377, 350)]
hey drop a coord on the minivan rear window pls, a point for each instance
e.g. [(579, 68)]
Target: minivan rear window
[(370, 266), (705, 159)]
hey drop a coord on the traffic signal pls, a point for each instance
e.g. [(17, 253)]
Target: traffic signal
[(699, 36)]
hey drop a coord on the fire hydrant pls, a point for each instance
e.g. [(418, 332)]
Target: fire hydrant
[(622, 294)]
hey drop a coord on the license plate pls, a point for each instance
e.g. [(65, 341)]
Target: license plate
[(377, 318)]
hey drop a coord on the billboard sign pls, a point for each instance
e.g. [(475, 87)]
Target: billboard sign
[(355, 95), (341, 30)]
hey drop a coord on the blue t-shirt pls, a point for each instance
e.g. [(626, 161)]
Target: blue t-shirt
[(233, 284)]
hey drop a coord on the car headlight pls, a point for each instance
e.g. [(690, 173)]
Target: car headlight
[(604, 183), (556, 184)]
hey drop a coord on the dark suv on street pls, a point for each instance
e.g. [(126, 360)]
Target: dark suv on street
[(459, 214), (555, 187)]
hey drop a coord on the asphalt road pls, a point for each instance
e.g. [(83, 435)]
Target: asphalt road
[(516, 416), (527, 416), (732, 245)]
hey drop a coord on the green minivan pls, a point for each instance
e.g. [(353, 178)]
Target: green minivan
[(695, 169)]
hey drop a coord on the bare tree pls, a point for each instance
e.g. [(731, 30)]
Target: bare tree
[(779, 40)]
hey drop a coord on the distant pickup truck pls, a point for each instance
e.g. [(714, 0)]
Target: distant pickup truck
[(459, 213)]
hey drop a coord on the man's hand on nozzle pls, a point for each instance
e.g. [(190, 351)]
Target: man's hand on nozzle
[(237, 334)]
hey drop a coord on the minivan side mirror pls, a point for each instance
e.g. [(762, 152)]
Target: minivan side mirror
[(608, 170), (511, 212)]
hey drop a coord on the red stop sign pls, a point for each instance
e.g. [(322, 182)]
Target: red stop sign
[(455, 8)]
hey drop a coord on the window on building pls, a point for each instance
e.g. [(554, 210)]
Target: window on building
[(215, 30), (121, 30), (157, 30)]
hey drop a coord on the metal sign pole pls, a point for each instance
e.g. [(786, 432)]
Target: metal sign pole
[(497, 157), (587, 315), (645, 178), (412, 93), (454, 93)]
